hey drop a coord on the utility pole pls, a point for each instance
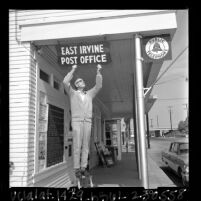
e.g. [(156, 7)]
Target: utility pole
[(151, 123), (157, 122), (148, 135), (138, 69), (170, 116), (186, 108), (186, 121)]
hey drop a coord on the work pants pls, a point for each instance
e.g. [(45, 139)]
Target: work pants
[(81, 142)]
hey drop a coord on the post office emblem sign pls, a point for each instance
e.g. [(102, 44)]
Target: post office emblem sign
[(157, 48)]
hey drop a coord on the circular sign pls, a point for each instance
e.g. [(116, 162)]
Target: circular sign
[(157, 48)]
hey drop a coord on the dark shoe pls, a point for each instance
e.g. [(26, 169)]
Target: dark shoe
[(85, 173), (78, 173), (82, 171)]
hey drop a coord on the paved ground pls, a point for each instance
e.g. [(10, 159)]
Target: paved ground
[(157, 145), (124, 174)]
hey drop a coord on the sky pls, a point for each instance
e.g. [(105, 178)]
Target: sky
[(172, 88)]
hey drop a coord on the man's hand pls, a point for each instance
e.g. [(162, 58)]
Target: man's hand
[(69, 75), (99, 68), (74, 67)]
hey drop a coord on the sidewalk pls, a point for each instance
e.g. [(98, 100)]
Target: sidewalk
[(124, 174), (157, 178)]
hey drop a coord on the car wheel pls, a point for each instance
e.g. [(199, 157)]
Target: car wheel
[(183, 179), (185, 183), (179, 172)]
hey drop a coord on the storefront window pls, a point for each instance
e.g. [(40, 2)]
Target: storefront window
[(55, 135)]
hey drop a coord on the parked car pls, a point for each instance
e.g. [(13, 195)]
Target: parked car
[(177, 158)]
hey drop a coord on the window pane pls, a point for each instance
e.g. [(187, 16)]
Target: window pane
[(183, 148), (172, 147), (175, 147), (70, 150), (55, 135), (56, 85), (44, 76)]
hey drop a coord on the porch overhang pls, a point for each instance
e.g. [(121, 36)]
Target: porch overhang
[(122, 26), (116, 95)]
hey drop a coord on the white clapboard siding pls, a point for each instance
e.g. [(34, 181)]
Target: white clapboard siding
[(19, 141), (17, 104), (20, 155), (13, 38), (12, 51), (20, 136), (19, 101), (16, 137), (20, 114), (19, 123), (20, 86), (20, 165), (17, 183), (17, 79), (19, 118), (22, 94), (16, 47), (20, 58), (19, 180), (21, 173), (17, 66), (15, 82), (22, 149), (26, 146), (16, 159), (19, 62)]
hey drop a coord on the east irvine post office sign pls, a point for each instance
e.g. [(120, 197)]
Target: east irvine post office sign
[(83, 53)]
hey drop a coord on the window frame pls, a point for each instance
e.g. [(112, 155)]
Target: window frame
[(56, 80), (44, 73)]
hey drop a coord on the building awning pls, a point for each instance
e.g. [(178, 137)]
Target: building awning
[(117, 92)]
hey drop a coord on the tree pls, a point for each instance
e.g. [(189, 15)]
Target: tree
[(183, 126)]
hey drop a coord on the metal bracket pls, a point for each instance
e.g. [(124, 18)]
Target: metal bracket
[(147, 90), (138, 35), (141, 59)]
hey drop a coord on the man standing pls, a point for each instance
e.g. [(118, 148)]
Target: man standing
[(81, 110)]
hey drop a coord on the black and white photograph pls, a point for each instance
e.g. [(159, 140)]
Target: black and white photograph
[(98, 98)]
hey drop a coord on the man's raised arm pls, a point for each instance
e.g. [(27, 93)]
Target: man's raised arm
[(99, 79), (68, 78)]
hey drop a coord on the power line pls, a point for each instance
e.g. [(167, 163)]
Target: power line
[(164, 99), (186, 108), (157, 121), (151, 123), (170, 110), (169, 66), (170, 80)]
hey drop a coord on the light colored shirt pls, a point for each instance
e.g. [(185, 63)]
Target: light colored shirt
[(82, 95), (81, 105)]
